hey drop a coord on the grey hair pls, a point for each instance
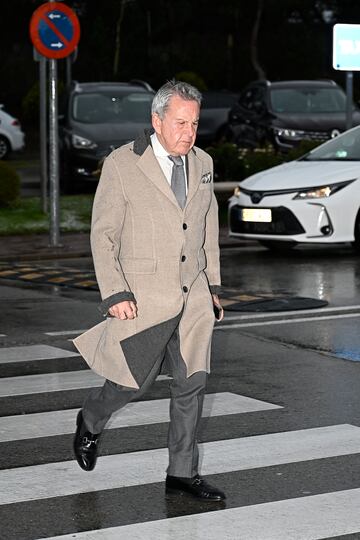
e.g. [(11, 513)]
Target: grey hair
[(173, 88)]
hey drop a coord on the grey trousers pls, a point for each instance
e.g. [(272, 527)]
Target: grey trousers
[(186, 403)]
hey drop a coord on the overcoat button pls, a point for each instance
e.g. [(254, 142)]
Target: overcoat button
[(184, 226), (183, 258), (185, 289)]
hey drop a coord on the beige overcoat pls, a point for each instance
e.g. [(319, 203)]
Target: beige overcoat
[(146, 248)]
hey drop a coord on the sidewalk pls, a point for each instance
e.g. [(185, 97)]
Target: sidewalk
[(34, 247)]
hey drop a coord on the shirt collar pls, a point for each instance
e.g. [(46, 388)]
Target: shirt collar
[(158, 148)]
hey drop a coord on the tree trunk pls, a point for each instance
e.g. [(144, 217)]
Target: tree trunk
[(254, 42), (117, 38)]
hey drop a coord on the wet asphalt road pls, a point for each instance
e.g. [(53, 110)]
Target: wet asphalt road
[(305, 363)]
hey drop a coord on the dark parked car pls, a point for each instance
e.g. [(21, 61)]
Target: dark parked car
[(99, 117), (215, 108), (285, 113)]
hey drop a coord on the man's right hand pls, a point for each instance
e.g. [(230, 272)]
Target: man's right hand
[(124, 310)]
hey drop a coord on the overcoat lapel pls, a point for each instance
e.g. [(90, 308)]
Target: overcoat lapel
[(194, 175), (149, 165)]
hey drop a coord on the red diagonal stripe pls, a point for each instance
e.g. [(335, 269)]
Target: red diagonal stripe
[(55, 30)]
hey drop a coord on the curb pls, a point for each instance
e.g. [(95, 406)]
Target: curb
[(57, 253)]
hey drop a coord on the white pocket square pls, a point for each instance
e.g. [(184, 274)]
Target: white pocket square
[(206, 178)]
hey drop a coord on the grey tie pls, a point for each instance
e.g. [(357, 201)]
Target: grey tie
[(178, 180)]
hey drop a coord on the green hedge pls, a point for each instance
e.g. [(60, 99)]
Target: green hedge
[(234, 164), (9, 185)]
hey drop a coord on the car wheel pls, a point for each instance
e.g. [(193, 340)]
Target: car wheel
[(278, 246), (356, 243), (5, 148)]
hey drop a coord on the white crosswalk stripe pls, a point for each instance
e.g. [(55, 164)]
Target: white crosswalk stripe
[(293, 519), (121, 470), (33, 352), (52, 382), (134, 414), (310, 517), (66, 332)]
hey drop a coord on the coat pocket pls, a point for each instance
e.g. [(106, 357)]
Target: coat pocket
[(136, 265)]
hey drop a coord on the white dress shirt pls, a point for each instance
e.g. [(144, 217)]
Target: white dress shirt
[(165, 163)]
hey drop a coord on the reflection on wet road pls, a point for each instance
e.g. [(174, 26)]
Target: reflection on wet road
[(323, 273), (331, 274)]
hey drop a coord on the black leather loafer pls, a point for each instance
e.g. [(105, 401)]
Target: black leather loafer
[(196, 487), (85, 445)]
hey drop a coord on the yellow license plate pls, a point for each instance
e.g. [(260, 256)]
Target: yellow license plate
[(262, 215)]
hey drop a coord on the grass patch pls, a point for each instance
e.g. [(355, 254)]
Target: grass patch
[(26, 216)]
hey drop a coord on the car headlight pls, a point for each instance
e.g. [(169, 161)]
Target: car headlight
[(288, 133), (82, 143), (237, 192), (321, 192)]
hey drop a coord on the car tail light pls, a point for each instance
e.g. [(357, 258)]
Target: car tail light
[(15, 123)]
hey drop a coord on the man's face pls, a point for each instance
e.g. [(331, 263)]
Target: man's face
[(177, 130)]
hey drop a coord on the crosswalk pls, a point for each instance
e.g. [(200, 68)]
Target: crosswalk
[(46, 495), (282, 520)]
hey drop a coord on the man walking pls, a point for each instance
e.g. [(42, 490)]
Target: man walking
[(154, 239)]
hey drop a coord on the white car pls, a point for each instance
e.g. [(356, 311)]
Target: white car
[(11, 136), (315, 199)]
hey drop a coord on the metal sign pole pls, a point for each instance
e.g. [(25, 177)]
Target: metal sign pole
[(49, 20), (53, 156), (68, 62), (43, 134), (349, 99)]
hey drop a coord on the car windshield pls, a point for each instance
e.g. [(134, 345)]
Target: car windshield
[(111, 107), (307, 100), (346, 147)]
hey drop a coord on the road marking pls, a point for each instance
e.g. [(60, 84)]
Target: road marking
[(247, 316), (144, 467), (303, 518), (66, 332), (53, 382), (287, 321), (28, 353), (278, 314), (28, 426)]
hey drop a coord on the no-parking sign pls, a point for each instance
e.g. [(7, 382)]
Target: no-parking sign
[(54, 30)]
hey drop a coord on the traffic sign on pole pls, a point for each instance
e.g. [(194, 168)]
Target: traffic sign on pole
[(55, 33), (346, 47), (346, 57), (54, 30)]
